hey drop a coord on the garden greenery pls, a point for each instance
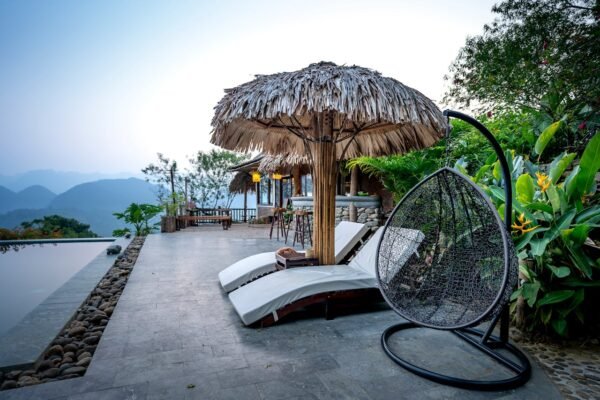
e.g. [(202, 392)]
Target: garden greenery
[(140, 217), (555, 212)]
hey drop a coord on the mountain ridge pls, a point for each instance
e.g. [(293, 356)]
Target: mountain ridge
[(92, 203), (58, 181)]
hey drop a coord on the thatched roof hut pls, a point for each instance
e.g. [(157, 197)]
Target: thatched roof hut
[(241, 183), (326, 112), (391, 117)]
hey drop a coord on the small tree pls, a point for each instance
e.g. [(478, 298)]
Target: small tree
[(165, 175), (138, 215), (211, 175)]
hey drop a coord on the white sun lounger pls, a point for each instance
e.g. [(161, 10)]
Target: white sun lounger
[(280, 293), (347, 235)]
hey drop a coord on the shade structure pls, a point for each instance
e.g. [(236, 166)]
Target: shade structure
[(326, 112), (283, 163), (241, 183)]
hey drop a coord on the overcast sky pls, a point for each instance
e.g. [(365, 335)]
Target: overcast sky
[(105, 85)]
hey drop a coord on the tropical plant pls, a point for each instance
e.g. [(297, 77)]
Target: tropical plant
[(397, 173), (140, 217), (555, 213)]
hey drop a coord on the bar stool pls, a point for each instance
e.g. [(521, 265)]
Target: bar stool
[(278, 221), (302, 227)]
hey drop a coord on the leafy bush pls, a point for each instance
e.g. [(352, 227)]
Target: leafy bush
[(555, 213), (138, 215)]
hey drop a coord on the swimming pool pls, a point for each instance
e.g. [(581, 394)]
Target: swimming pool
[(29, 273)]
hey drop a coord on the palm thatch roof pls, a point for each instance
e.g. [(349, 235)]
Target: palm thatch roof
[(247, 166), (283, 163), (241, 182), (374, 115)]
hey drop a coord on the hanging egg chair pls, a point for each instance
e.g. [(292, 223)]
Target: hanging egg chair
[(460, 270)]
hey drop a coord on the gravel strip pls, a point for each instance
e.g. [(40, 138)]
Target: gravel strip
[(573, 366)]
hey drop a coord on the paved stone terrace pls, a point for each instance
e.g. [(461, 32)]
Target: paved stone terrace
[(174, 335)]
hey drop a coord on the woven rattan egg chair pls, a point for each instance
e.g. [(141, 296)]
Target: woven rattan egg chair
[(463, 272)]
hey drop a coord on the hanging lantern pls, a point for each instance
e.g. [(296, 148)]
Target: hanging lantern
[(255, 176), (277, 176)]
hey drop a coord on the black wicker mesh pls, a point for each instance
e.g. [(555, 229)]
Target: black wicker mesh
[(445, 259)]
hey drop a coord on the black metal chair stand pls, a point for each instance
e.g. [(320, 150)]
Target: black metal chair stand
[(485, 342), (446, 261)]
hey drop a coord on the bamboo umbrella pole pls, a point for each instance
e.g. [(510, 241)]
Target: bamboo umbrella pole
[(297, 179), (324, 178)]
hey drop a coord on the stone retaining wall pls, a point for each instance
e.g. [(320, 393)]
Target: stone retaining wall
[(368, 208)]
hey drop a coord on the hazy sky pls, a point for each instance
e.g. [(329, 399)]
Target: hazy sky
[(105, 85)]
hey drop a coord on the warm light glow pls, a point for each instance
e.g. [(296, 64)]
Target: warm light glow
[(255, 176), (276, 176)]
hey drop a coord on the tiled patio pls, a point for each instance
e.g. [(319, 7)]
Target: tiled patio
[(174, 335)]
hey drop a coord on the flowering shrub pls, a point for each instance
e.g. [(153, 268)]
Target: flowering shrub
[(555, 213)]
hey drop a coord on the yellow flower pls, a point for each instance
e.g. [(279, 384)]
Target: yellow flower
[(543, 181), (522, 225)]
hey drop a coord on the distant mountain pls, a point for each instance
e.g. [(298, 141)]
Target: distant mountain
[(57, 181), (91, 203), (36, 196), (32, 198), (8, 199)]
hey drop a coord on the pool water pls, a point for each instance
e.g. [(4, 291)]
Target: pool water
[(29, 274)]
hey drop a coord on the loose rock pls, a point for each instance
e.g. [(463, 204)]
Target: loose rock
[(55, 350), (74, 371)]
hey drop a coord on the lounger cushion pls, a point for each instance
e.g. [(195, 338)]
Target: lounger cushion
[(347, 235), (366, 258), (247, 269), (272, 292)]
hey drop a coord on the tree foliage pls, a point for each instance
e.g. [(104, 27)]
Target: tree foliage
[(48, 227), (165, 175), (210, 176), (532, 49)]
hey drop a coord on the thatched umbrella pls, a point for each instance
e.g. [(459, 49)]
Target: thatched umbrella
[(242, 183), (327, 112)]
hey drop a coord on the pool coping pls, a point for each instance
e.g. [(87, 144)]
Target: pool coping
[(24, 342)]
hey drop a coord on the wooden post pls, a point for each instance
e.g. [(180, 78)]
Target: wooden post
[(354, 182), (324, 179), (297, 180), (245, 219), (352, 214)]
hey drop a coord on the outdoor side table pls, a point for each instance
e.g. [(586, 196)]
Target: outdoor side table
[(295, 261)]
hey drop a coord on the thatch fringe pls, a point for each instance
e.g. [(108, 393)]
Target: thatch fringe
[(241, 182), (283, 164), (391, 117)]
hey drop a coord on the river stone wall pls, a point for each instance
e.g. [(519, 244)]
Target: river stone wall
[(368, 208)]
